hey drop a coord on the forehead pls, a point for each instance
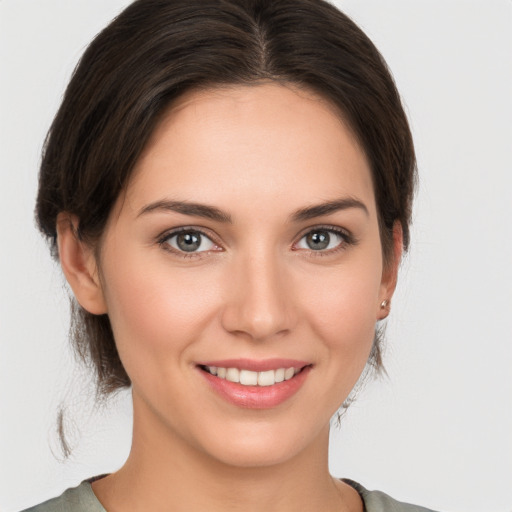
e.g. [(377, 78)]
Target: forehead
[(269, 140)]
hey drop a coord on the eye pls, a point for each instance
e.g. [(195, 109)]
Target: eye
[(322, 239), (189, 241)]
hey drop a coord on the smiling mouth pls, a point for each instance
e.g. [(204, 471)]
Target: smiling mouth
[(252, 378)]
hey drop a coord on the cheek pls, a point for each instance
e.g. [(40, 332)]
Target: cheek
[(342, 307), (155, 313), (340, 315)]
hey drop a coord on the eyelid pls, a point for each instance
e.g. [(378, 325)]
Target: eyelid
[(347, 236), (163, 238), (348, 239)]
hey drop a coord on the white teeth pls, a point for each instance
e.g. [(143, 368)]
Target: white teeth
[(266, 378), (250, 378), (233, 375), (289, 373)]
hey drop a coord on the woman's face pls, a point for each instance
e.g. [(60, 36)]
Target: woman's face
[(246, 244)]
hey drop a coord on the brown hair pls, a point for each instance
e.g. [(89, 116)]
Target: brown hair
[(152, 53)]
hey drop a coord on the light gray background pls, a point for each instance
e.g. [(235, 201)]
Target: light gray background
[(438, 431)]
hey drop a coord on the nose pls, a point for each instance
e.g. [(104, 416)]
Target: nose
[(259, 305)]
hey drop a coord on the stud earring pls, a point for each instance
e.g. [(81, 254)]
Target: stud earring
[(384, 304)]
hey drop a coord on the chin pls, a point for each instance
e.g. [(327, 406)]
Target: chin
[(255, 455), (262, 445)]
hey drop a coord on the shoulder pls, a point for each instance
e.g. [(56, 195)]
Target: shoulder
[(76, 499), (376, 501), (83, 499)]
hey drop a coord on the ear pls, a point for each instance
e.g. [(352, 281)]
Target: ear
[(79, 265), (390, 273)]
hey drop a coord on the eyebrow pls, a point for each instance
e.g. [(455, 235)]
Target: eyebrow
[(213, 213), (327, 208), (188, 208)]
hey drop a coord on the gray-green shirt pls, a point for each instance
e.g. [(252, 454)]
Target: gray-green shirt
[(83, 499)]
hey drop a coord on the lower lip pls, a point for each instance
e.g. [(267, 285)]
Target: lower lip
[(256, 397)]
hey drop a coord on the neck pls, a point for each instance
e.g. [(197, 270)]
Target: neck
[(165, 472)]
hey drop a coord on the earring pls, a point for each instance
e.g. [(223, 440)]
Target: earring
[(384, 304)]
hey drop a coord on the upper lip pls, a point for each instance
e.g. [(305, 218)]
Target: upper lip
[(256, 365)]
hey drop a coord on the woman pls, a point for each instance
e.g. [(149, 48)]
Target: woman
[(228, 188)]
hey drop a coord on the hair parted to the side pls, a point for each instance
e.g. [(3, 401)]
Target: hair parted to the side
[(155, 51)]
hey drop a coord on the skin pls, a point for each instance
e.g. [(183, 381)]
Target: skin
[(259, 154)]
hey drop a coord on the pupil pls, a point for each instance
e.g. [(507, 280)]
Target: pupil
[(318, 240), (189, 242)]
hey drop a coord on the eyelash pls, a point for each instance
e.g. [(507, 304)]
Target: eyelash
[(163, 241), (347, 240)]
